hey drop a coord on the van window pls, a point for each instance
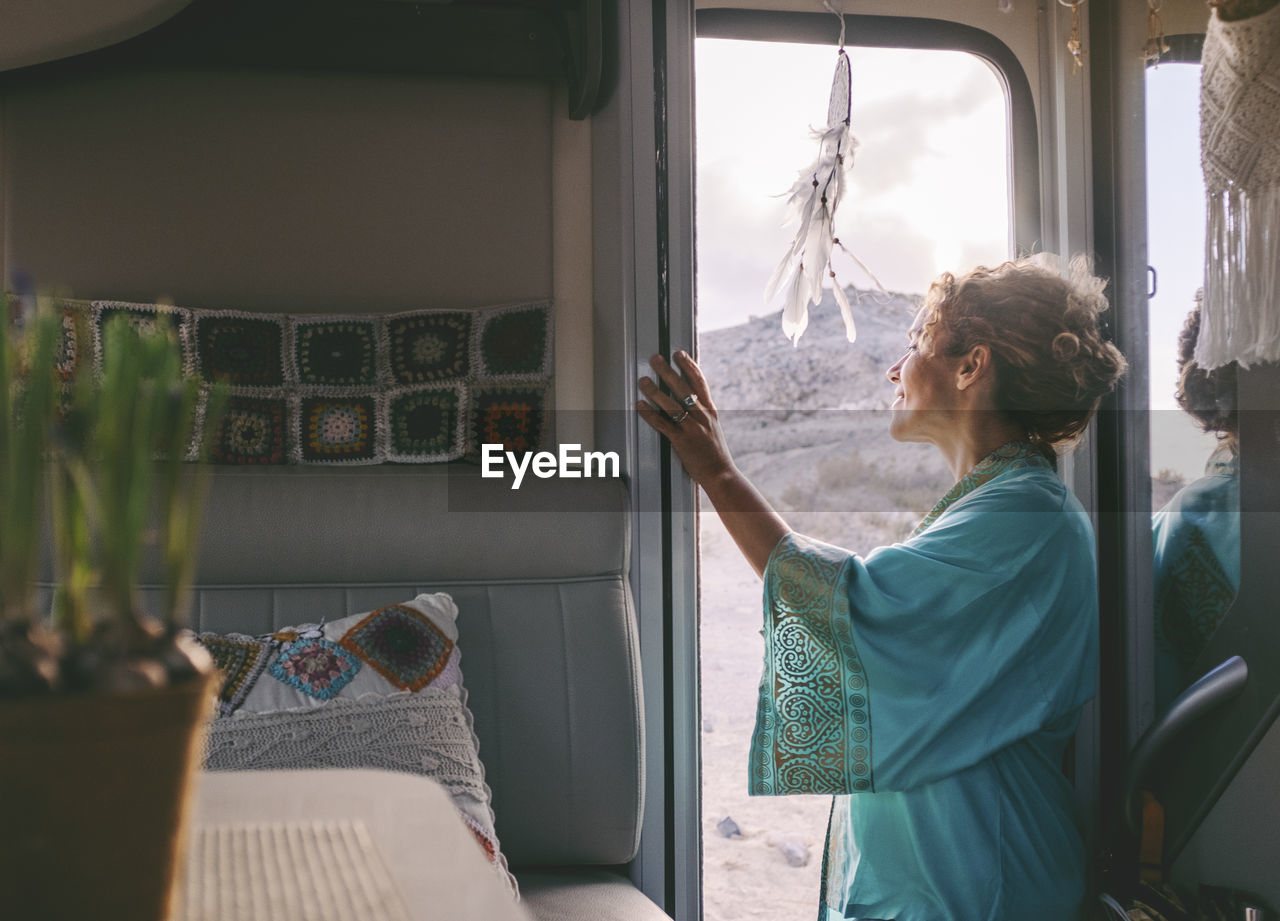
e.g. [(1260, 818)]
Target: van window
[(929, 192)]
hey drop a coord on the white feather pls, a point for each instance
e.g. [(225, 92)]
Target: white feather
[(775, 280), (802, 196), (842, 299), (795, 310), (817, 251), (849, 145), (836, 191), (802, 212)]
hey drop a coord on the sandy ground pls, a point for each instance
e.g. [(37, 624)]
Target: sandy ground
[(746, 876)]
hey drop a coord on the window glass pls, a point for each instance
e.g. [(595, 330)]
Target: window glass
[(1195, 490), (928, 192)]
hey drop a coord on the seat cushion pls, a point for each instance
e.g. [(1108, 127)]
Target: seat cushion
[(585, 895)]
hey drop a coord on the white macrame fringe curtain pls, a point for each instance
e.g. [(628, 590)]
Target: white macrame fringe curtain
[(1240, 319), (1240, 154)]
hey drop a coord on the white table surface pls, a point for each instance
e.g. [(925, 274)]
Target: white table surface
[(433, 859)]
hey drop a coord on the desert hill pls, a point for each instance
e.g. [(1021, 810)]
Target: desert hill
[(809, 423), (761, 369)]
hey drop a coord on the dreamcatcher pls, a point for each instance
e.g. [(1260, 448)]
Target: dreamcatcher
[(812, 203)]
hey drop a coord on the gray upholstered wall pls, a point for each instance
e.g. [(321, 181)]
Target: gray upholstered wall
[(280, 192)]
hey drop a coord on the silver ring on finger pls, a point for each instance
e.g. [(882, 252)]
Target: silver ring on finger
[(690, 401), (680, 418)]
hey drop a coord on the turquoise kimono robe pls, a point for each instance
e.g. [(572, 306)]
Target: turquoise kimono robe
[(933, 686)]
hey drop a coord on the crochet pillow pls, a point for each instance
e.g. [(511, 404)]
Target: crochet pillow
[(380, 689)]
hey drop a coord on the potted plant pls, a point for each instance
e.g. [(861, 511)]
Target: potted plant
[(102, 706)]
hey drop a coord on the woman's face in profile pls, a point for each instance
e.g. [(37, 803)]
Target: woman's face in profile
[(923, 389)]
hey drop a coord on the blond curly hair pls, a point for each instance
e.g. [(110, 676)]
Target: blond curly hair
[(1052, 363)]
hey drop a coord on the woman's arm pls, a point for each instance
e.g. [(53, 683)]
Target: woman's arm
[(699, 442)]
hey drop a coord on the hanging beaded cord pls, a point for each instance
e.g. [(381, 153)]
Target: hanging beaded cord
[(1074, 46), (1156, 45)]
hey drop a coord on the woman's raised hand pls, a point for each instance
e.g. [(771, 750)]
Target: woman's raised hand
[(686, 417)]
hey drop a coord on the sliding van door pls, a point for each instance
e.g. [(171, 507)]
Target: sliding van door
[(1214, 575)]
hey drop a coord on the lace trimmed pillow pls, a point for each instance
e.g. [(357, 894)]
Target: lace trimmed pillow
[(381, 689)]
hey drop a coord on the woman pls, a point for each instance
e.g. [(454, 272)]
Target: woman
[(933, 685)]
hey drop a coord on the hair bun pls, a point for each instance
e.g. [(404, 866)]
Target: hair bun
[(1066, 346)]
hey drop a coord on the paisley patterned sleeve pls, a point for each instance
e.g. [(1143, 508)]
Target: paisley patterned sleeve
[(812, 728), (886, 672)]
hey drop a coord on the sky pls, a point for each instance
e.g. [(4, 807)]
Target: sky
[(1175, 246), (1175, 213), (928, 191)]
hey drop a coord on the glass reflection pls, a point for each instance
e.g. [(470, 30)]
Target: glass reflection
[(1195, 490), (1196, 536)]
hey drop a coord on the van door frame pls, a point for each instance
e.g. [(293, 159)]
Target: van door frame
[(1125, 704), (642, 193)]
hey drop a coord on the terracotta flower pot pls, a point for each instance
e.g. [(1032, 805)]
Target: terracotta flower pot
[(93, 801)]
